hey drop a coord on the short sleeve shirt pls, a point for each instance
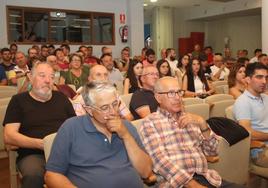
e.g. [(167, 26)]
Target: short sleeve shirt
[(89, 159)]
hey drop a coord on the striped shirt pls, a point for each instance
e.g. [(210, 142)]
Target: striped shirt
[(178, 153)]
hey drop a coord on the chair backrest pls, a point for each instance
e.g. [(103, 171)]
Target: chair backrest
[(218, 108), (199, 109), (126, 98), (218, 97), (229, 112), (8, 88), (219, 83), (234, 160), (2, 115), (4, 101), (119, 87), (222, 89), (7, 93), (191, 101), (137, 124), (48, 141)]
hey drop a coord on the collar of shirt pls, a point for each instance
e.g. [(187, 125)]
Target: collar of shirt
[(248, 94)]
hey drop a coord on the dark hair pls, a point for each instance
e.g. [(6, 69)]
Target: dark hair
[(75, 55), (104, 55), (242, 60), (158, 65), (262, 55), (168, 51), (179, 65), (65, 46), (5, 50), (149, 52), (245, 51), (250, 69), (257, 50), (57, 50), (208, 47), (51, 46), (44, 46), (82, 46), (13, 44), (200, 74), (130, 73), (233, 71), (220, 54), (203, 57)]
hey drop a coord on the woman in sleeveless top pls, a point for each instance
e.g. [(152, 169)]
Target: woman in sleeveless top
[(195, 83)]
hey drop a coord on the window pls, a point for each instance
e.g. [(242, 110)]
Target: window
[(37, 25)]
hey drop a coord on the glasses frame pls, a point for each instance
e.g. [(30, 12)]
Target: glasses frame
[(110, 106), (172, 94)]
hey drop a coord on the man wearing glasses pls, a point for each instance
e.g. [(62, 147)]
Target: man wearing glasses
[(99, 149), (143, 102), (178, 142)]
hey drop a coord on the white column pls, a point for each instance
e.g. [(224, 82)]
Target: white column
[(264, 25), (136, 26), (162, 29)]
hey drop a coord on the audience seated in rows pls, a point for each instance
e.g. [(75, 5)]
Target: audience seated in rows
[(98, 149), (178, 142), (30, 116), (251, 108)]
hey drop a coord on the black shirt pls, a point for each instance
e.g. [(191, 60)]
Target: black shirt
[(140, 98), (37, 119)]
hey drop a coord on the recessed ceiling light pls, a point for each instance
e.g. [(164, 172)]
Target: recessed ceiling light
[(153, 1), (145, 4)]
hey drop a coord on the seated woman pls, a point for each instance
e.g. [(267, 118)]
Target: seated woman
[(163, 68), (236, 80), (77, 74), (195, 83), (61, 60), (181, 67), (132, 83)]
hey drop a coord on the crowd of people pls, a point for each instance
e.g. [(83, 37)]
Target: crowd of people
[(96, 145)]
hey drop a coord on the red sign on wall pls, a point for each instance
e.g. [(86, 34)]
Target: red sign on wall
[(122, 18)]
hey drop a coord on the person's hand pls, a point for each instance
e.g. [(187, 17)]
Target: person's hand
[(115, 124), (187, 118)]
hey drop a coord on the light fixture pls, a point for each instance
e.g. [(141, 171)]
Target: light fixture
[(145, 4), (153, 1)]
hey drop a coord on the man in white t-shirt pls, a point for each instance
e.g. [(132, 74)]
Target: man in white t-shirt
[(257, 52), (218, 70)]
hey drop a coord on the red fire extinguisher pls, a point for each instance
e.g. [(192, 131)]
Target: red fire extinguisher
[(123, 31)]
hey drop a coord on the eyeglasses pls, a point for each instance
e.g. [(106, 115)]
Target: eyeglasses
[(172, 94), (107, 107), (151, 74)]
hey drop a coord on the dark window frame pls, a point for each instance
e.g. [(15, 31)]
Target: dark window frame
[(91, 15)]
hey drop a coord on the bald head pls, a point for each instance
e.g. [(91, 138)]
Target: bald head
[(98, 73)]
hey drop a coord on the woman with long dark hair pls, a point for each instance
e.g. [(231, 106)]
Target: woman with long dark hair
[(181, 67), (236, 80), (195, 83), (132, 83), (163, 68)]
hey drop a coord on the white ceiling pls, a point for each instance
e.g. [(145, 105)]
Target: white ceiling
[(184, 3)]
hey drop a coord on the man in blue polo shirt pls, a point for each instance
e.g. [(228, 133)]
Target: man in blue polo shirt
[(251, 109), (98, 149)]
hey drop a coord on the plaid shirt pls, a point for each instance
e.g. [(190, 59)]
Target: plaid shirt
[(178, 153)]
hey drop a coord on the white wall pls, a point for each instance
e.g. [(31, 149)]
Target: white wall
[(244, 33), (112, 6)]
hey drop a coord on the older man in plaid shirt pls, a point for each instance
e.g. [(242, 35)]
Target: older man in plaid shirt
[(178, 142)]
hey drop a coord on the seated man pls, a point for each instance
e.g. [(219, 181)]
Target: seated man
[(30, 116), (251, 109), (99, 73), (178, 142), (219, 70), (98, 149), (143, 101)]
